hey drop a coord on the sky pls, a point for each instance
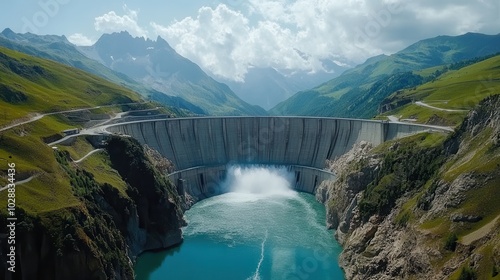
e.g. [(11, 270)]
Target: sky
[(229, 37)]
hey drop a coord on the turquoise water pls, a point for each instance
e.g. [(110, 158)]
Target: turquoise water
[(250, 234)]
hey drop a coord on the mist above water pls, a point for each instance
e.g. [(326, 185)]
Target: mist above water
[(259, 182)]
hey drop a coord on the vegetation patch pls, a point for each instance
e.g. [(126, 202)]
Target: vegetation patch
[(467, 273), (450, 243), (48, 86), (78, 149), (405, 168), (12, 95), (458, 86), (100, 166)]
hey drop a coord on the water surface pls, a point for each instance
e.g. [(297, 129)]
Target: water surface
[(254, 232)]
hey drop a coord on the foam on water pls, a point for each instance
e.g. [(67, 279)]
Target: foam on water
[(256, 275)]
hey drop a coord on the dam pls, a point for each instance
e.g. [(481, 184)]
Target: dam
[(202, 148)]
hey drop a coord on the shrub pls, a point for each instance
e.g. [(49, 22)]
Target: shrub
[(451, 242), (467, 273), (494, 271)]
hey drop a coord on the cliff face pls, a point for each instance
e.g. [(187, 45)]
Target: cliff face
[(100, 237), (422, 207), (158, 215), (78, 243)]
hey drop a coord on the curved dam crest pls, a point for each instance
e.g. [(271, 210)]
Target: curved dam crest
[(202, 148)]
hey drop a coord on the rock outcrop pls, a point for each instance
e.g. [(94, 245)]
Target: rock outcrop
[(434, 228), (101, 236), (159, 216)]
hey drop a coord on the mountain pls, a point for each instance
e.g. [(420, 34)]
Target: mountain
[(267, 87), (157, 65), (353, 94), (86, 219), (33, 85), (59, 49)]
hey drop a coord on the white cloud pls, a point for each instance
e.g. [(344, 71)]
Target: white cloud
[(80, 40), (227, 44), (111, 22), (213, 39), (300, 34), (458, 17)]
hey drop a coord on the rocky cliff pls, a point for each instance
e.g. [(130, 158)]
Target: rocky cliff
[(423, 207), (100, 237)]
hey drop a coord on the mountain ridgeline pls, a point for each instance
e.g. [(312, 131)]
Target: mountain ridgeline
[(150, 68), (157, 65), (358, 92)]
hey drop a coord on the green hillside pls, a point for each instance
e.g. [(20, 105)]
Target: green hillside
[(425, 206), (59, 49), (460, 89), (30, 85), (358, 92), (78, 218)]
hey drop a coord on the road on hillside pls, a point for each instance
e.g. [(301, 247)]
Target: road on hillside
[(34, 176), (87, 155), (21, 182), (39, 116), (394, 119), (420, 103), (99, 129)]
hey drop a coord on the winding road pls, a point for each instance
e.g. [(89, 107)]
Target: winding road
[(87, 155), (394, 119), (21, 182), (420, 103), (38, 116)]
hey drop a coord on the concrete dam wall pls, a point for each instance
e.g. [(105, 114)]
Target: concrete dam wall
[(201, 148)]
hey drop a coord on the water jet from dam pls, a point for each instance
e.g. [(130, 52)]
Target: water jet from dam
[(259, 182)]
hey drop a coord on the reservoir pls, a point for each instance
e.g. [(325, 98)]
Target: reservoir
[(260, 229)]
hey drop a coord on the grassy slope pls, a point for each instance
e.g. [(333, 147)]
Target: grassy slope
[(44, 86), (48, 86), (58, 49), (461, 89)]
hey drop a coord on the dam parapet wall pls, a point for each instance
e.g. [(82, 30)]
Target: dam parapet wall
[(192, 142)]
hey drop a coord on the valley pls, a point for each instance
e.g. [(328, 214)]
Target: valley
[(113, 143)]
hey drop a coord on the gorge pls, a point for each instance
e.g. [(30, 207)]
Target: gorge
[(204, 152)]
